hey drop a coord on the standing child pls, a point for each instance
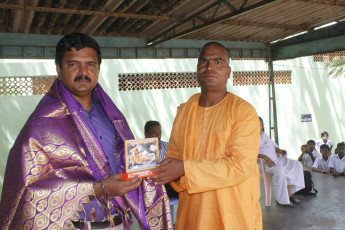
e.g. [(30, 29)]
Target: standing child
[(324, 140), (321, 164), (337, 163)]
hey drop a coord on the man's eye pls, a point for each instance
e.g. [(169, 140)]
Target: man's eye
[(202, 62)]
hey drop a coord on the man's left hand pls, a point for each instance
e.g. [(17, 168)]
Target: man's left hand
[(169, 169)]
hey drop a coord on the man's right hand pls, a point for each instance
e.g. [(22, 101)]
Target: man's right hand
[(115, 186), (269, 162)]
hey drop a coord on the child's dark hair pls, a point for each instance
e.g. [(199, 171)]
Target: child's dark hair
[(324, 146), (324, 133), (311, 142), (341, 144)]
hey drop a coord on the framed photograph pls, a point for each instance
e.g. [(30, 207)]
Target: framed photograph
[(141, 157)]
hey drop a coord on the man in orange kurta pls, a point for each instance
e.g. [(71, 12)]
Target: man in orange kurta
[(212, 154)]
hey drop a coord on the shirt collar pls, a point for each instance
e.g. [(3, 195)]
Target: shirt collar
[(95, 100)]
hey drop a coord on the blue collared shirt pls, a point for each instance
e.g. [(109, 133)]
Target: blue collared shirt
[(104, 130)]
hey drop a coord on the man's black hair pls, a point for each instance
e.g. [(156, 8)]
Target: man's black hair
[(150, 124), (263, 128), (77, 41)]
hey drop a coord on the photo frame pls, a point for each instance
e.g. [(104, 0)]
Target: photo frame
[(141, 157)]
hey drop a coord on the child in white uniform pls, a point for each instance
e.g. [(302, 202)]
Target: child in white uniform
[(337, 163), (321, 164), (308, 157)]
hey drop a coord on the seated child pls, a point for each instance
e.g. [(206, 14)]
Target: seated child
[(321, 164), (309, 156), (337, 163)]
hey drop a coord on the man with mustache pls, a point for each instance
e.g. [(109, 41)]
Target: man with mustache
[(63, 171), (212, 153)]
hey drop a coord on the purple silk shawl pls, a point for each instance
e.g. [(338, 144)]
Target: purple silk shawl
[(56, 159)]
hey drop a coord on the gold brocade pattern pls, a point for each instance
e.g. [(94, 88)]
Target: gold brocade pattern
[(48, 177), (50, 193)]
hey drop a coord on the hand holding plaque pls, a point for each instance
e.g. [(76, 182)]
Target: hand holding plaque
[(141, 158)]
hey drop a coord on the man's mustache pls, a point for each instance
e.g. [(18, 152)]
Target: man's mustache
[(82, 77)]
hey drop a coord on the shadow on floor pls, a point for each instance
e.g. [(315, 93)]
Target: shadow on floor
[(326, 210)]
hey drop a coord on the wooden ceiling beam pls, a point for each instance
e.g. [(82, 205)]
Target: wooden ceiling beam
[(326, 2), (85, 12), (265, 25), (171, 33), (96, 21)]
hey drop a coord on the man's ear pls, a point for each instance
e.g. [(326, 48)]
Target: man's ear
[(229, 71), (58, 70)]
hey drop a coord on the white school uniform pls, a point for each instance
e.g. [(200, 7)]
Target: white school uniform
[(337, 164), (320, 142), (307, 159), (320, 163), (285, 172)]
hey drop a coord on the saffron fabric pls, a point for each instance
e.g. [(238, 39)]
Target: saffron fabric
[(55, 161), (219, 146)]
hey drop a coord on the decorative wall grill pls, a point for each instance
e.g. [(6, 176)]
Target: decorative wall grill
[(248, 59), (25, 86), (260, 77), (329, 56), (148, 81)]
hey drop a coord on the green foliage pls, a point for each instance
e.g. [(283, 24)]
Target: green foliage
[(337, 67)]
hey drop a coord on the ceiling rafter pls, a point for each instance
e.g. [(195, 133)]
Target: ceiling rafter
[(326, 2), (96, 21), (163, 37), (85, 12), (265, 25)]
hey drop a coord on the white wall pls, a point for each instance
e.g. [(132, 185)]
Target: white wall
[(311, 92)]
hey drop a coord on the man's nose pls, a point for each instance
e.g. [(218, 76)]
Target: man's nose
[(83, 69), (209, 65)]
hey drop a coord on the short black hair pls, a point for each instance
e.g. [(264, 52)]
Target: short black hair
[(150, 124), (311, 142), (263, 128), (324, 146), (77, 41), (340, 144), (212, 43), (324, 133)]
